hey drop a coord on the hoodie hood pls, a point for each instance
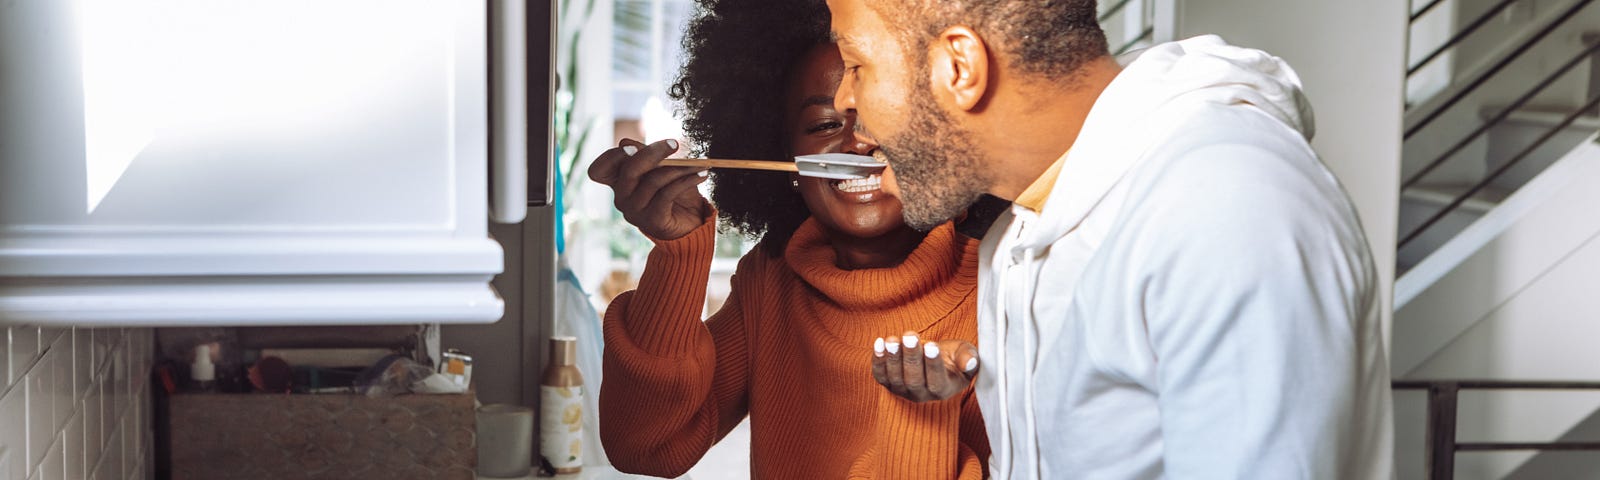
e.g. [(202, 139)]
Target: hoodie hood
[(1201, 72)]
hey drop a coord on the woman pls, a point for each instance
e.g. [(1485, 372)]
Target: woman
[(836, 270)]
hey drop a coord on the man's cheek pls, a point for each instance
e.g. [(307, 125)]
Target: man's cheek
[(886, 107)]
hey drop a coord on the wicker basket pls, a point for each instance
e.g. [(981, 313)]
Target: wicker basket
[(272, 437)]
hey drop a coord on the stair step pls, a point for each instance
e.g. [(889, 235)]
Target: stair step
[(1441, 195), (1547, 117)]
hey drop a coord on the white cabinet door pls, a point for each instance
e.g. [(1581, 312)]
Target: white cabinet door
[(179, 162)]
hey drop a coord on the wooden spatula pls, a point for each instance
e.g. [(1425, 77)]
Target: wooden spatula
[(836, 166), (723, 163)]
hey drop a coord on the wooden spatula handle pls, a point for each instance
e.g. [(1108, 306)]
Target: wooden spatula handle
[(723, 163)]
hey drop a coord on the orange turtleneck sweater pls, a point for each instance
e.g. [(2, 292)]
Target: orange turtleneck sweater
[(792, 348)]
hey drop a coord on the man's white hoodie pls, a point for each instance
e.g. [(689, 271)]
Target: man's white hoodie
[(1196, 298)]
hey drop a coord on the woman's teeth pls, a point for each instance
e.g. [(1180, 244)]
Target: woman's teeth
[(860, 185)]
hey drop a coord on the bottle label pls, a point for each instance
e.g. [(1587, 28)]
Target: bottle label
[(561, 426)]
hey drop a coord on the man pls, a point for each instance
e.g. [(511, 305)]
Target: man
[(1181, 289)]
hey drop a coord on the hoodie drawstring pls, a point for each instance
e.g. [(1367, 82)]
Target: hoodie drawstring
[(1003, 377), (1003, 470), (1028, 354)]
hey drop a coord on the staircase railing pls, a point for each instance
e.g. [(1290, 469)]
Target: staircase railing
[(1441, 434), (1498, 172), (1541, 35), (1129, 24), (1477, 81), (1504, 113), (1472, 27)]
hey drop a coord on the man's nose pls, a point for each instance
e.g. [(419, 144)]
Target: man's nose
[(844, 100)]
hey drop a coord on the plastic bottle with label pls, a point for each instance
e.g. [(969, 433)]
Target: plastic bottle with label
[(561, 408), (203, 373)]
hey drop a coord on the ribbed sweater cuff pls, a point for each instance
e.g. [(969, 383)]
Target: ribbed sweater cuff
[(664, 316)]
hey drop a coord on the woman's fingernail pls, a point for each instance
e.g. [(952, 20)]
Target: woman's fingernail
[(703, 173), (972, 364), (630, 150), (893, 347), (911, 341), (932, 351), (877, 347), (672, 143)]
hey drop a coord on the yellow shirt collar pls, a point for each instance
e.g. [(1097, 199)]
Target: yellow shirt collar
[(1036, 194)]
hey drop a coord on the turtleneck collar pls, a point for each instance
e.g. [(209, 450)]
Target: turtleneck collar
[(941, 271)]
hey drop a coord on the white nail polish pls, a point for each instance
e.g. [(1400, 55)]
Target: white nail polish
[(703, 173), (672, 143), (630, 150), (931, 350), (877, 347), (892, 347), (972, 364), (911, 341)]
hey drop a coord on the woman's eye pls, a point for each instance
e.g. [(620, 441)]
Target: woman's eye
[(825, 126)]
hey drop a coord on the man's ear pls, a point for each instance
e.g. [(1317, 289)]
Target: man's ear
[(959, 67)]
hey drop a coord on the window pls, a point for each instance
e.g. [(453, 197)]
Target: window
[(617, 58)]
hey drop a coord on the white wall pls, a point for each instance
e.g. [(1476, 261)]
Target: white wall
[(75, 403), (1350, 56)]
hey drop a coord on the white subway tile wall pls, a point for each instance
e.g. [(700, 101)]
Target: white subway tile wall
[(74, 403)]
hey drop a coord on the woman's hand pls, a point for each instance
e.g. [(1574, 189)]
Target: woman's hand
[(661, 201), (923, 371)]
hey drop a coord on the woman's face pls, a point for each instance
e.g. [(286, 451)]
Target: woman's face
[(857, 208)]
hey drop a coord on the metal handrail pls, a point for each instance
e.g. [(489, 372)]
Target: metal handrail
[(1436, 217), (1460, 35), (1497, 384), (1126, 47), (1503, 446), (1442, 402), (1497, 118), (1483, 77), (1118, 7), (1425, 10)]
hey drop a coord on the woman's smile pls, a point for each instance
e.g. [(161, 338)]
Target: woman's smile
[(861, 190)]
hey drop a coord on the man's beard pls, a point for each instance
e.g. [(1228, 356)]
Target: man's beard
[(936, 165)]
